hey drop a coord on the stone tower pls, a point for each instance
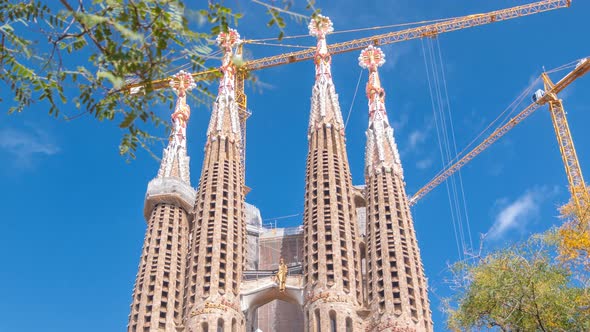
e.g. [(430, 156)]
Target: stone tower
[(208, 262), (159, 288), (397, 294), (216, 256), (332, 280)]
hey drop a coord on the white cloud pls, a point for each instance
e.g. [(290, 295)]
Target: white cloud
[(415, 141), (393, 54), (416, 138), (516, 215), (424, 163), (401, 123), (25, 145), (496, 167)]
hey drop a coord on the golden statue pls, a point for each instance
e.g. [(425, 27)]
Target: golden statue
[(281, 276)]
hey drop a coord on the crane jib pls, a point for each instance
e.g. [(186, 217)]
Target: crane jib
[(430, 30), (580, 70)]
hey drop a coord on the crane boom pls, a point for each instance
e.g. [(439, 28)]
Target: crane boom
[(548, 97), (429, 30)]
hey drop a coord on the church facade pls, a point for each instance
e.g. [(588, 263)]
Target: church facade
[(209, 265)]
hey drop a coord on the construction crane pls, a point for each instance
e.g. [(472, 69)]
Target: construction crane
[(430, 30), (573, 170), (577, 186)]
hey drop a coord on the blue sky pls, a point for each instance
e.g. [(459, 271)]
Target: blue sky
[(72, 220)]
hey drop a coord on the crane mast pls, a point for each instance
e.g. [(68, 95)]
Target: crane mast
[(564, 138), (577, 186), (243, 112)]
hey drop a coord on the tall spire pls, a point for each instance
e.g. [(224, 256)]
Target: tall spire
[(324, 103), (225, 117), (159, 287), (175, 161), (217, 248), (381, 151), (396, 286), (332, 277)]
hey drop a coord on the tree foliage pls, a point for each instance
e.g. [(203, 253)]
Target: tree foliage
[(58, 53), (519, 288), (573, 237)]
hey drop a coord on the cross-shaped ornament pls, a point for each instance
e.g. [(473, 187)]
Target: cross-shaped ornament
[(371, 58), (182, 82)]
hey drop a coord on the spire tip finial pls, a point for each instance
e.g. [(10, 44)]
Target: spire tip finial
[(371, 57), (320, 26), (227, 40), (182, 82)]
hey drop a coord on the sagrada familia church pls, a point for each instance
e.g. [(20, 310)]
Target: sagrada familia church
[(208, 264)]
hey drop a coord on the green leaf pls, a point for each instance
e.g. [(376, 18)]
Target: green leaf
[(128, 120), (132, 35), (113, 39), (91, 20), (115, 80)]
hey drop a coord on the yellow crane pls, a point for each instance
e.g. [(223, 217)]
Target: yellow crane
[(573, 170), (577, 186), (429, 30)]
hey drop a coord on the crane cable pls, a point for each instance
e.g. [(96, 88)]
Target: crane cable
[(434, 108), (462, 196), (284, 217), (280, 45), (563, 67), (444, 145), (512, 108), (188, 64), (262, 41), (353, 98), (274, 219), (455, 191), (379, 27)]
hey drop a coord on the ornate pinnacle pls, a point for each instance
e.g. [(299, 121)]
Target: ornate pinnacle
[(227, 41), (320, 26), (180, 83), (381, 150), (372, 58), (225, 118)]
